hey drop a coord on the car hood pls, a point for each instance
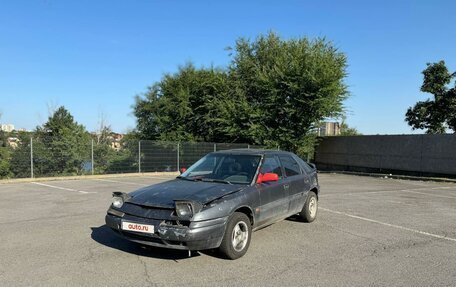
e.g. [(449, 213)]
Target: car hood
[(164, 194)]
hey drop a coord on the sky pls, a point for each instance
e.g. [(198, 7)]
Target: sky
[(94, 57)]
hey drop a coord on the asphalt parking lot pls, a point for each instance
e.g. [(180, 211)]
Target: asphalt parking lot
[(369, 232)]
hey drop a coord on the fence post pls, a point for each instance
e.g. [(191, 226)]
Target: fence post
[(139, 156), (31, 157), (92, 157), (178, 166), (215, 147), (248, 146)]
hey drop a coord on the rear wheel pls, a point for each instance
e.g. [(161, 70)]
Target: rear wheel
[(237, 236), (309, 211)]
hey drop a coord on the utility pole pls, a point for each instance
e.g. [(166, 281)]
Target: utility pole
[(92, 158), (31, 157), (178, 167), (139, 156)]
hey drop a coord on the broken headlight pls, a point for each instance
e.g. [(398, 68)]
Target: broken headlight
[(118, 199), (186, 209)]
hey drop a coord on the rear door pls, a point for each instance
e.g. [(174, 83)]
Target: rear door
[(298, 183), (274, 202)]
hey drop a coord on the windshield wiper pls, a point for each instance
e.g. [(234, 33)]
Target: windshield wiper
[(204, 179), (216, 180), (189, 178)]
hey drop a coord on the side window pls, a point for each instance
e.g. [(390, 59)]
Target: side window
[(290, 165), (305, 166), (270, 164)]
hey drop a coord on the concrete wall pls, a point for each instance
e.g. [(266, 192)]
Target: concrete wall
[(405, 154)]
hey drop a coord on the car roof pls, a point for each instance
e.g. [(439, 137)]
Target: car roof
[(251, 151)]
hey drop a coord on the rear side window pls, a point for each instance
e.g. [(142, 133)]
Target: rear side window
[(271, 164), (305, 166), (290, 165)]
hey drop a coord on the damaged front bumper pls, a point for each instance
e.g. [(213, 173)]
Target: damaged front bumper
[(198, 235)]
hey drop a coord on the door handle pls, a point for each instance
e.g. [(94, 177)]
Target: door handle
[(286, 186)]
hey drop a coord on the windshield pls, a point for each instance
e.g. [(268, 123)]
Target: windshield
[(226, 168)]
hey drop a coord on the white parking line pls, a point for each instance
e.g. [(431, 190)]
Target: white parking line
[(411, 190), (124, 182), (363, 192), (431, 194), (158, 177), (390, 225), (62, 188)]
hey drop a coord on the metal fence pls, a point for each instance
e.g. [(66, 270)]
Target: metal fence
[(47, 157)]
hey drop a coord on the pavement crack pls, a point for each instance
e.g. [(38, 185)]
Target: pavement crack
[(146, 272), (352, 234)]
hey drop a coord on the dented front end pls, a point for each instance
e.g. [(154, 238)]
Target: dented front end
[(169, 230)]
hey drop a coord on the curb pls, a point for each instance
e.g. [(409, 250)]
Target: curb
[(76, 177)]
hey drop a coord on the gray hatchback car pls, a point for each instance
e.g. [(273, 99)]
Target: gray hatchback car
[(218, 202)]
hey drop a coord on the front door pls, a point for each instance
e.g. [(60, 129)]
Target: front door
[(274, 201)]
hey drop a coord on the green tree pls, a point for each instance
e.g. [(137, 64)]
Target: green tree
[(20, 156), (60, 147), (102, 140), (345, 130), (183, 106), (273, 93), (438, 114), (291, 85), (102, 151), (64, 143), (109, 160), (5, 158), (125, 159), (4, 155)]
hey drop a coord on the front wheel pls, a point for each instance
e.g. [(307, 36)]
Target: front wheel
[(237, 236), (309, 211)]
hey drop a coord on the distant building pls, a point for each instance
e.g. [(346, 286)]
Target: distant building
[(13, 142), (113, 139), (329, 129), (116, 141), (7, 127)]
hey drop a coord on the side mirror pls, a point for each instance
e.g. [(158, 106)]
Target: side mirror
[(182, 170), (267, 177)]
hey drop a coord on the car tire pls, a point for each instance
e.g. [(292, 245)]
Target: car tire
[(238, 234), (310, 208)]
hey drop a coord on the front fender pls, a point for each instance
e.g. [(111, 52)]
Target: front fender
[(225, 206)]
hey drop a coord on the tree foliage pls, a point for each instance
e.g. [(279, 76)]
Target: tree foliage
[(20, 156), (290, 84), (183, 106), (63, 143), (438, 114), (273, 93), (5, 157), (60, 147)]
